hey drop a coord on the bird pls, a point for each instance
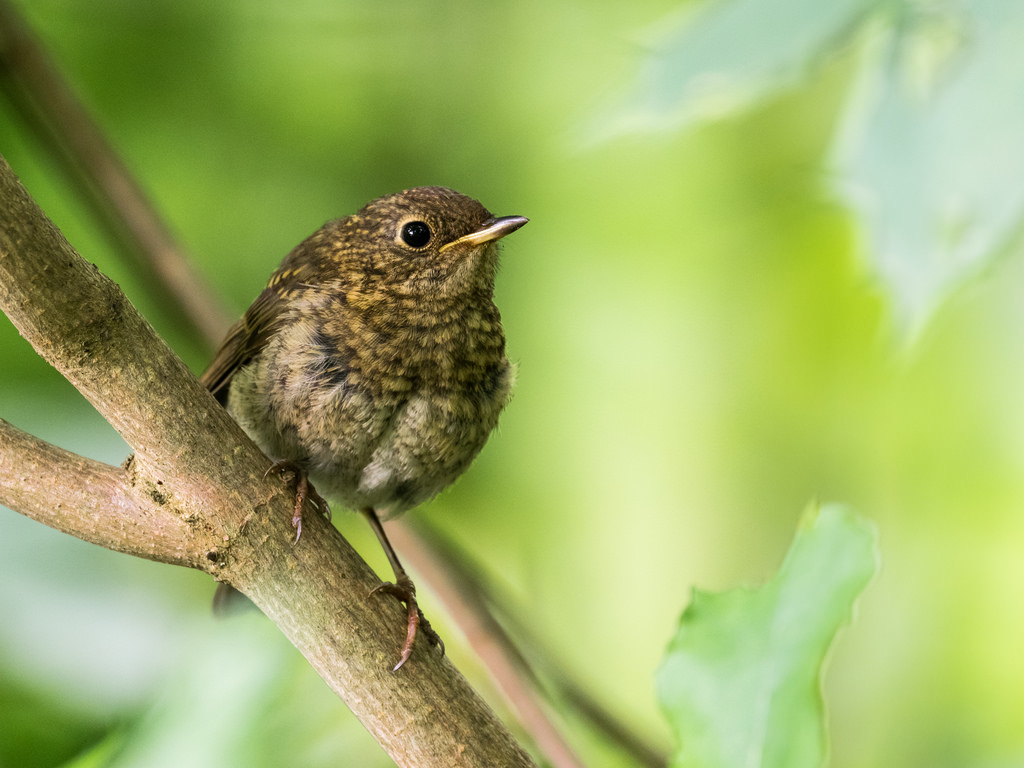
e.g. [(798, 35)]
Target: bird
[(373, 366)]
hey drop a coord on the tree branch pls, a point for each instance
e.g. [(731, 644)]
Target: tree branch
[(195, 494), (99, 506)]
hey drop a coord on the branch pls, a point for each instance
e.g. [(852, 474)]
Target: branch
[(472, 601), (100, 506), (48, 105), (195, 495), (502, 660)]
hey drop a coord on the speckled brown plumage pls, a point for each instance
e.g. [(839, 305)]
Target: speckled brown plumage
[(374, 360)]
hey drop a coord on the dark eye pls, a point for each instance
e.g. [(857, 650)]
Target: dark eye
[(415, 234)]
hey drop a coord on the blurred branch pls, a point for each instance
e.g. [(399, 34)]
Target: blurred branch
[(508, 669), (195, 485), (44, 100), (472, 601)]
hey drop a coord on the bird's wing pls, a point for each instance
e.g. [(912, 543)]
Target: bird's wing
[(250, 334), (245, 339)]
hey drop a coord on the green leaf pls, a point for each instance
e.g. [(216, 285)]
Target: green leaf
[(723, 56), (740, 682), (930, 154)]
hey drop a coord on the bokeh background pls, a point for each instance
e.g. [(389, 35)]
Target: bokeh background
[(772, 258)]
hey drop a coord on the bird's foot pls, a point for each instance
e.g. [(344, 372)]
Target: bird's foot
[(405, 590), (304, 493)]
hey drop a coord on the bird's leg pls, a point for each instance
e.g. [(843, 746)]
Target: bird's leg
[(304, 492), (404, 589)]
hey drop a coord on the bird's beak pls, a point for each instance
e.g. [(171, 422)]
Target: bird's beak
[(494, 229)]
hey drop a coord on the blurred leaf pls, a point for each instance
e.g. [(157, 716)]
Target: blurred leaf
[(102, 754), (721, 57), (932, 156), (930, 149), (740, 682), (39, 731)]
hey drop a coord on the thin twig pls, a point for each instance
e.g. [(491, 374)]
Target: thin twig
[(473, 599), (507, 667)]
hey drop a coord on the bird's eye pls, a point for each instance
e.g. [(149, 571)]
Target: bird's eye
[(415, 234)]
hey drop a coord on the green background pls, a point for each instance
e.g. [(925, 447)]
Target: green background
[(703, 348)]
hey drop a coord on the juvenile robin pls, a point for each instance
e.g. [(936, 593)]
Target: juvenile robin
[(373, 364)]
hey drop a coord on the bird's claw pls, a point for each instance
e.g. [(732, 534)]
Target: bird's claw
[(405, 591), (304, 493)]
